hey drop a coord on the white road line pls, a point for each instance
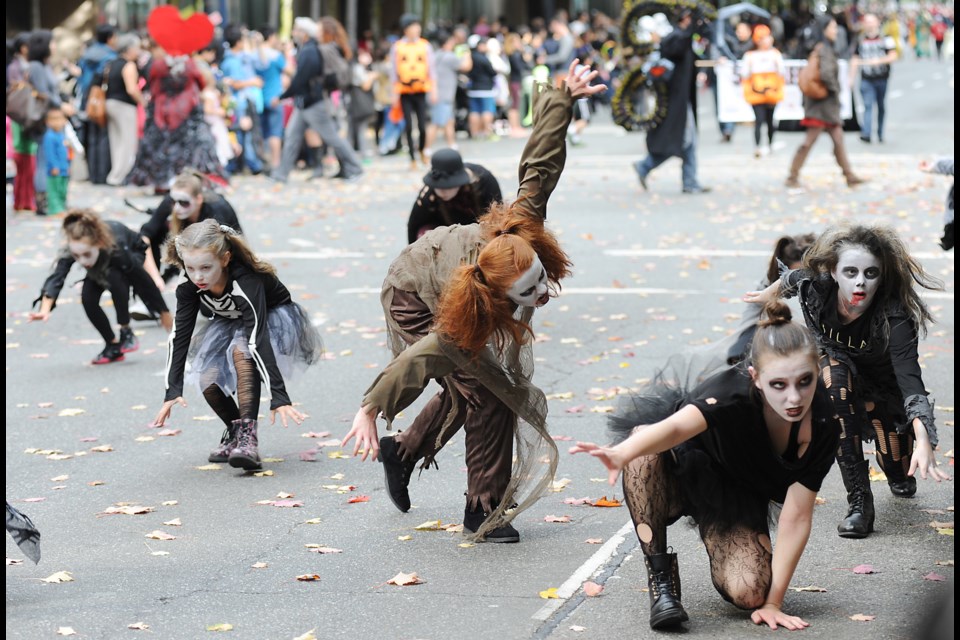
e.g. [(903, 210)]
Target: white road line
[(576, 291), (322, 254), (584, 571), (697, 252)]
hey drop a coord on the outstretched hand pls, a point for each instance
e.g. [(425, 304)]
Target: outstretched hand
[(609, 456), (924, 461), (764, 295), (164, 412), (771, 616), (365, 430), (286, 412), (579, 83)]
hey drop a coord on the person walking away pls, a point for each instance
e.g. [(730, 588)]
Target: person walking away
[(823, 114), (873, 56), (677, 134)]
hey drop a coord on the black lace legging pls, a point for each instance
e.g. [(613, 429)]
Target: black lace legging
[(247, 405), (893, 449), (763, 114), (119, 283), (740, 558), (410, 103)]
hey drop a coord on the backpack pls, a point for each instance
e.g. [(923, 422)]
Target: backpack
[(336, 69), (809, 79)]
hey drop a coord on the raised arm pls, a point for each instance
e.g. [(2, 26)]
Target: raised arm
[(546, 152)]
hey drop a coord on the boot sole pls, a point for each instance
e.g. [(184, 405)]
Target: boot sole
[(504, 540), (670, 618), (854, 535), (241, 462), (218, 458), (386, 482)]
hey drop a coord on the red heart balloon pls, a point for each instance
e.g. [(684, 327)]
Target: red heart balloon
[(178, 36)]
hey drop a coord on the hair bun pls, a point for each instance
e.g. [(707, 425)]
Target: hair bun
[(774, 314)]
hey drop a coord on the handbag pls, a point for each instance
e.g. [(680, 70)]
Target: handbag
[(362, 104), (26, 106), (809, 79), (97, 100)]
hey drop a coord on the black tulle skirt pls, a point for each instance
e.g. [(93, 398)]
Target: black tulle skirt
[(295, 342), (712, 497), (164, 153)]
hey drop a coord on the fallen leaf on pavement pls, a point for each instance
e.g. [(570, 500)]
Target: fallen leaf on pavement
[(941, 525), (945, 532), (169, 503), (58, 577), (557, 519), (877, 476), (69, 413), (559, 485), (104, 448), (263, 474), (286, 504), (404, 538), (138, 626), (405, 579), (592, 589), (169, 432), (223, 626), (594, 540), (314, 434), (575, 409), (12, 562), (174, 523), (127, 510), (144, 439), (944, 563), (33, 500), (259, 565), (356, 499), (308, 577), (466, 545), (934, 577), (273, 460), (325, 550), (96, 483), (429, 525), (159, 553), (550, 594), (66, 631), (577, 628), (859, 617), (603, 502), (160, 535), (312, 521), (863, 569), (811, 588), (577, 501), (59, 479), (309, 635)]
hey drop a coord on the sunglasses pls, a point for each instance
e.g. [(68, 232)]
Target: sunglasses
[(183, 203)]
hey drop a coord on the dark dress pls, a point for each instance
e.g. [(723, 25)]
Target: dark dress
[(729, 474)]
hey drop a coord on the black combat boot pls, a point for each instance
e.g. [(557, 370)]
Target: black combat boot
[(473, 518), (860, 514), (396, 473), (663, 579)]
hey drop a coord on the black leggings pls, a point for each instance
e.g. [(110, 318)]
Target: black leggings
[(411, 102), (247, 405), (119, 283), (763, 114)]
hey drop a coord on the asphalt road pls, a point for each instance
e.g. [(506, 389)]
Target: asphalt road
[(655, 273)]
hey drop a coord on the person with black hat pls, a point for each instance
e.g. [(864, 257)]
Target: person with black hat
[(414, 75), (454, 192)]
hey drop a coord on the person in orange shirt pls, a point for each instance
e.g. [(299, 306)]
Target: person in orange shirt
[(414, 78)]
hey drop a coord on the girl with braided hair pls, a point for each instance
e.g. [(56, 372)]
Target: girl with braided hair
[(745, 439), (458, 304), (857, 291), (256, 333)]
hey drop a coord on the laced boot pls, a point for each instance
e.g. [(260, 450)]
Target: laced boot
[(396, 473), (110, 353), (245, 455), (663, 580), (473, 518), (228, 442), (901, 485), (860, 514)]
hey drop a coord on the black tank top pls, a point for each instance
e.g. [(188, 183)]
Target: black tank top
[(116, 89)]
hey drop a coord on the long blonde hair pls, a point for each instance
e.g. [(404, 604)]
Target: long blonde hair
[(210, 235)]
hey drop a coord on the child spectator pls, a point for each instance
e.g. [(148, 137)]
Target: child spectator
[(56, 161)]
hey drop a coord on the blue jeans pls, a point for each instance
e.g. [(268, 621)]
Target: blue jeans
[(874, 92), (250, 158), (689, 171)]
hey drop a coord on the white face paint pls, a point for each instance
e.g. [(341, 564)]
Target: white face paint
[(206, 270), (530, 288), (184, 205), (858, 277), (447, 194), (788, 384), (84, 253)]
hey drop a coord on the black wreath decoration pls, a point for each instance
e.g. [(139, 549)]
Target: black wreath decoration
[(649, 77)]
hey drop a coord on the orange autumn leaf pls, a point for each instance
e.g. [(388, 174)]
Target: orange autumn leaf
[(592, 589), (603, 502), (356, 499), (859, 617), (308, 577)]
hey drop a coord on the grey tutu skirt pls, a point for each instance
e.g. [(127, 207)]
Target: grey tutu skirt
[(296, 345)]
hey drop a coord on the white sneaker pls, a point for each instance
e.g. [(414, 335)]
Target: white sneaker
[(139, 311)]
